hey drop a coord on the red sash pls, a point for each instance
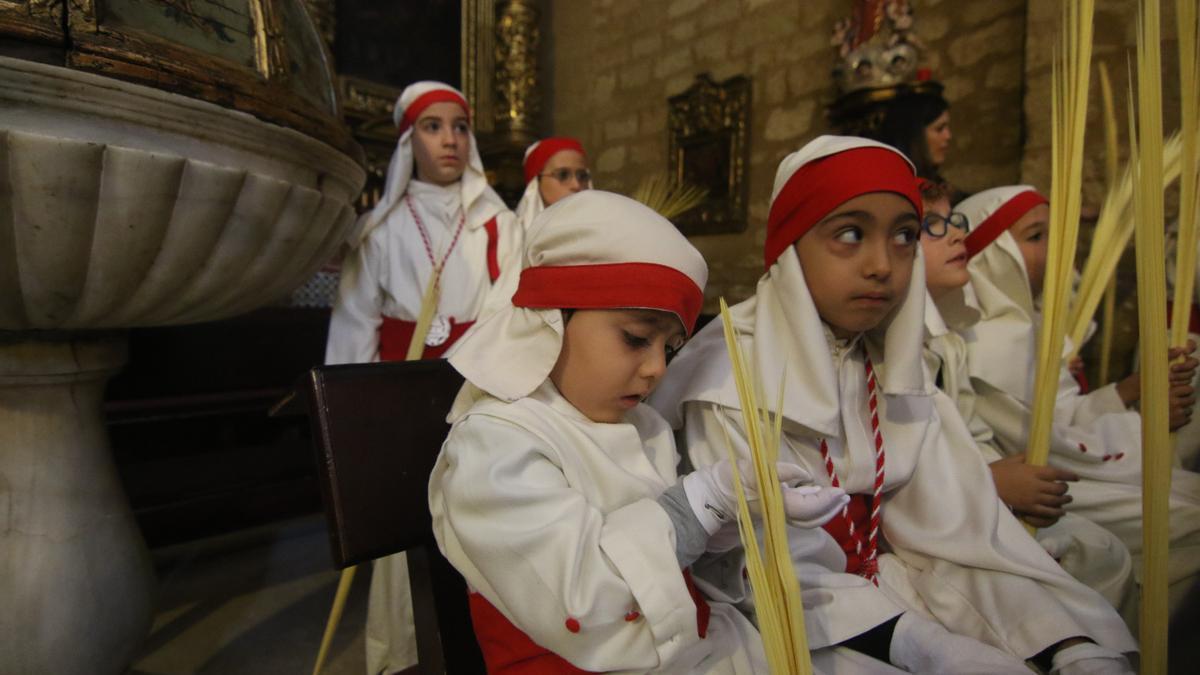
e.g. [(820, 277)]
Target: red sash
[(507, 650), (860, 513), (395, 334)]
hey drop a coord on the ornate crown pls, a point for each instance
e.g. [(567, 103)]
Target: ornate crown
[(877, 58)]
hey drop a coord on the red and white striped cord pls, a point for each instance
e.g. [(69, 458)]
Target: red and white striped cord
[(437, 266), (870, 565)]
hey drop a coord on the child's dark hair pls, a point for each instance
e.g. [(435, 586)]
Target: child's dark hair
[(933, 190)]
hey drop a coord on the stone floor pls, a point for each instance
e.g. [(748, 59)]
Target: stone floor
[(255, 602)]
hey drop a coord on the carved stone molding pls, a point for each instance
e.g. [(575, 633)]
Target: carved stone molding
[(707, 146)]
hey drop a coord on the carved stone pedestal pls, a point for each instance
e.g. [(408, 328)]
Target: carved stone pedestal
[(75, 577)]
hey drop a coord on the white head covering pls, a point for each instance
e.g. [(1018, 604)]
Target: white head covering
[(1003, 344), (781, 319), (536, 156), (479, 202), (591, 250)]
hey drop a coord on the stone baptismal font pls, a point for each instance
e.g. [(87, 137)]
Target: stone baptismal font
[(161, 162)]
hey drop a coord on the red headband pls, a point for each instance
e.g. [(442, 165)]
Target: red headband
[(820, 186), (414, 110), (611, 286), (1010, 212), (546, 149)]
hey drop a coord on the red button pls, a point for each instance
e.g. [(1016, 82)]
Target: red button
[(632, 616), (572, 624), (1082, 447)]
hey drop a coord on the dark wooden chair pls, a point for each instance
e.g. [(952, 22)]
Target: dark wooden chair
[(377, 429)]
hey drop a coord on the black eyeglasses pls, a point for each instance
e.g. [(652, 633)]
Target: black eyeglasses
[(563, 175), (936, 226)]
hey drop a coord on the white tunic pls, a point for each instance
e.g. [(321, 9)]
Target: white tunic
[(1087, 551), (950, 549), (1085, 431), (387, 274), (551, 517)]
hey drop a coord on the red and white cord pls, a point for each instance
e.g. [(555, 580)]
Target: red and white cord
[(869, 567)]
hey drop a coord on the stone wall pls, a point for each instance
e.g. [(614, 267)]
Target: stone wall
[(612, 64), (1114, 40)]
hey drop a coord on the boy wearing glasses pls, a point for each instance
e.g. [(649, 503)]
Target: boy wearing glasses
[(1037, 495), (554, 168)]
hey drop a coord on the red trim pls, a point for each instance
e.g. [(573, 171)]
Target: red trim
[(396, 334), (994, 225), (611, 286), (414, 110), (493, 244), (507, 650), (820, 186), (547, 148)]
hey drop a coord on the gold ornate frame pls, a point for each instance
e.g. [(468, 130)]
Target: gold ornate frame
[(92, 42), (706, 131)]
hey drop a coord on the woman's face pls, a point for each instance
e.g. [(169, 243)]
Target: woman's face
[(937, 138)]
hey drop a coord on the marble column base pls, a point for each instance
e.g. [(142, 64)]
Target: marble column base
[(76, 581)]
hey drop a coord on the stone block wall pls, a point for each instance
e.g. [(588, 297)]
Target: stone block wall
[(612, 64)]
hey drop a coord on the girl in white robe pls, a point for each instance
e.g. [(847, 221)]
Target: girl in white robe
[(556, 494), (926, 562), (445, 217), (1087, 551), (1093, 435), (554, 168)]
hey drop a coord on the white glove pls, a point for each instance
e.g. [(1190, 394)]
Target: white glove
[(712, 496), (923, 646), (1056, 543), (1089, 658)]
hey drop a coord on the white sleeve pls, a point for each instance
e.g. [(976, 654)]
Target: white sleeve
[(358, 312), (1081, 410), (506, 516)]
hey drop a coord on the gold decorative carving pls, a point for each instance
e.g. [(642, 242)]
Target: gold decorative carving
[(517, 37), (706, 136), (367, 108), (269, 42), (478, 52), (35, 20)]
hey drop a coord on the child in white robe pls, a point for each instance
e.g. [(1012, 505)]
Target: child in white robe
[(556, 494), (554, 168), (444, 217), (1094, 435), (926, 567), (1087, 551)]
